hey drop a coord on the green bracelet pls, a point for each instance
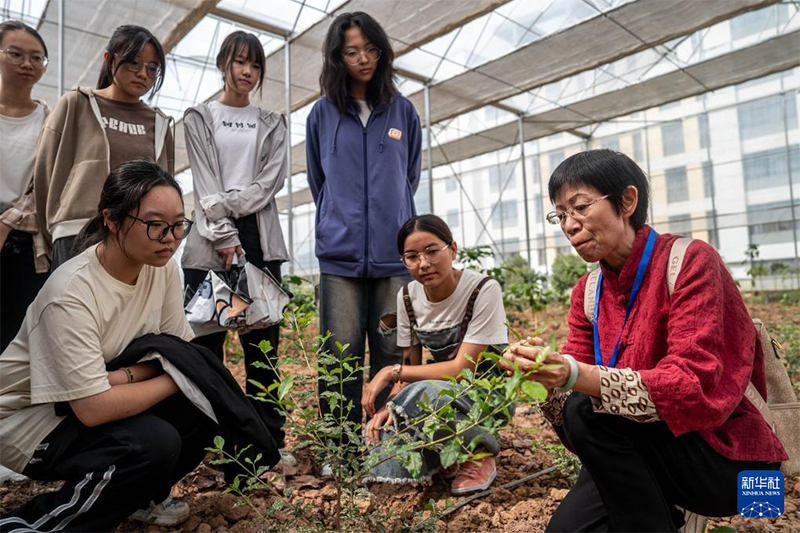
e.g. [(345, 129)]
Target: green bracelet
[(573, 373)]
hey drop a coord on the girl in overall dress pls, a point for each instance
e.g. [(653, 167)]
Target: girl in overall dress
[(456, 315)]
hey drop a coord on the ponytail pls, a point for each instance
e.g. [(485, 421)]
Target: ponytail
[(95, 231)]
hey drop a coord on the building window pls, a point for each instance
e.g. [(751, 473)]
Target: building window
[(505, 214), (755, 22), (610, 143), (450, 184), (555, 159), (672, 138), (770, 223), (677, 184), (680, 225), (767, 169), (708, 179), (765, 116), (452, 218), (638, 153), (502, 177), (702, 126)]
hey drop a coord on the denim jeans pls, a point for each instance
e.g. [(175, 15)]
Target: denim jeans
[(353, 309)]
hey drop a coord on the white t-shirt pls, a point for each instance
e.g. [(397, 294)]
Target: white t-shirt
[(80, 320), (488, 324), (236, 137), (20, 136), (363, 111)]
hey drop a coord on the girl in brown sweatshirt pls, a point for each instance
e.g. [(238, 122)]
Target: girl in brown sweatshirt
[(91, 132)]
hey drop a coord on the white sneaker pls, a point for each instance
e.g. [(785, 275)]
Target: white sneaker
[(169, 513), (327, 471), (287, 459)]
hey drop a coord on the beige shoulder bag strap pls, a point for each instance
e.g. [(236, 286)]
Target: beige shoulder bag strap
[(590, 294), (676, 255)]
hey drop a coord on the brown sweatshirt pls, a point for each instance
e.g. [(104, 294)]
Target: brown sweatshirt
[(72, 163)]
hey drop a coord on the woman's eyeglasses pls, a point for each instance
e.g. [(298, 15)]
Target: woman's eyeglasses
[(158, 229), (577, 212), (432, 256), (18, 58), (352, 57), (153, 69)]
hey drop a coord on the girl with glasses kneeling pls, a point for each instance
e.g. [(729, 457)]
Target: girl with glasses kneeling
[(456, 315), (119, 439)]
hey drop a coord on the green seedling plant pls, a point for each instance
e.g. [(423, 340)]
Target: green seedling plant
[(330, 436)]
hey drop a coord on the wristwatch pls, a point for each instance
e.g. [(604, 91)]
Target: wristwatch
[(396, 373)]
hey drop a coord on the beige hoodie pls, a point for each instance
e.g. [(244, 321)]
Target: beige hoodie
[(73, 163)]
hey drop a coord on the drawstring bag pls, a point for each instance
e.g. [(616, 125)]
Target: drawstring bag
[(244, 298)]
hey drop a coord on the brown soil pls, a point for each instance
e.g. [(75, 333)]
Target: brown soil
[(524, 508)]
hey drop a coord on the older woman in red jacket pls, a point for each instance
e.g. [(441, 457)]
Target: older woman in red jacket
[(649, 391)]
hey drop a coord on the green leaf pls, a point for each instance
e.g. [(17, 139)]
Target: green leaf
[(265, 347), (534, 390), (285, 387), (511, 385), (414, 464), (723, 529), (449, 454), (219, 442), (257, 384)]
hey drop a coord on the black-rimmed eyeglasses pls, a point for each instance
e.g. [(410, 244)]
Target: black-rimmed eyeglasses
[(158, 229)]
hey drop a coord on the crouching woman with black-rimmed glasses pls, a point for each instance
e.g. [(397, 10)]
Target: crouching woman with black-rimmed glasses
[(127, 436)]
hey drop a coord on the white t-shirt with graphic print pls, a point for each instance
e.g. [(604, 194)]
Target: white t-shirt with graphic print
[(236, 138), (488, 324)]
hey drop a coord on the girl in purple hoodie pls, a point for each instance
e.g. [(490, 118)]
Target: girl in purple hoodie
[(363, 145)]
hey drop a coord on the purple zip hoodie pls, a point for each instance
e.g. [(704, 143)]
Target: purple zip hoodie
[(363, 181)]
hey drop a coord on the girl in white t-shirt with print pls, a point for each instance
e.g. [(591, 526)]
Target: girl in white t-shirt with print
[(237, 152), (131, 434), (456, 315)]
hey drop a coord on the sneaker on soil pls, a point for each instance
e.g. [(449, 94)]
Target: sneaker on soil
[(169, 513), (287, 459), (474, 477)]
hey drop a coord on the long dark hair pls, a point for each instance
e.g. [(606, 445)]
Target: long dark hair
[(122, 193), (15, 25), (334, 81), (430, 223), (610, 173), (241, 41), (125, 44)]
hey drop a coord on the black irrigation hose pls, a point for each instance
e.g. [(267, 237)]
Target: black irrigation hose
[(508, 485)]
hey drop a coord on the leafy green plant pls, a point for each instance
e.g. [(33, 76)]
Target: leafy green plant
[(302, 291), (756, 269), (566, 461), (329, 434), (567, 270), (523, 288)]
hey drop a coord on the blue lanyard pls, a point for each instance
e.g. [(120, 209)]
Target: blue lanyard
[(637, 284)]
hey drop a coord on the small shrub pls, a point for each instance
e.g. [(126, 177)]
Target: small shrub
[(567, 270)]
